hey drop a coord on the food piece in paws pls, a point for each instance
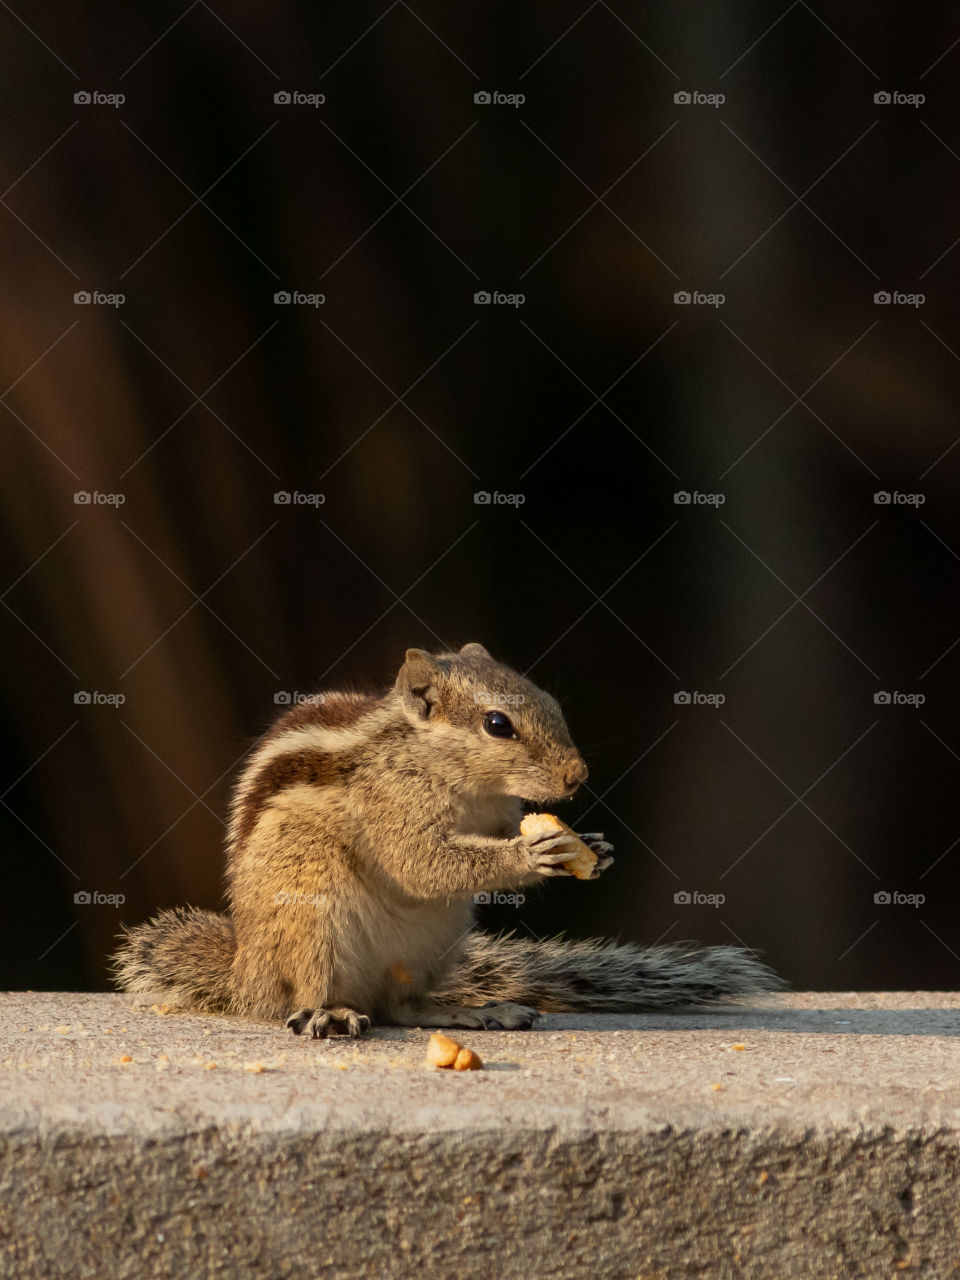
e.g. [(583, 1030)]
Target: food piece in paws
[(582, 859)]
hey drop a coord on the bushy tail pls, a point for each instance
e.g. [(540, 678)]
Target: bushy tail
[(559, 976), (186, 954)]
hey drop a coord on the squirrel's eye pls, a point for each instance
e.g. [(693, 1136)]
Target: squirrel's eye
[(498, 725)]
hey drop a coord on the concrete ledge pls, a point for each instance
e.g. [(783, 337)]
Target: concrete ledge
[(653, 1146)]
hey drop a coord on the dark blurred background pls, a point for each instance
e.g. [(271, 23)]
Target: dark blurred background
[(204, 603)]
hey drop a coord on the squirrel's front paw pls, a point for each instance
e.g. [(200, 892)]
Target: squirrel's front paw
[(320, 1023), (547, 855), (550, 855)]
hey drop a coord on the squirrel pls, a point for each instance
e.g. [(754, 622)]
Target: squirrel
[(360, 830)]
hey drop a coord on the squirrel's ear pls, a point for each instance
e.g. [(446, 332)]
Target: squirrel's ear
[(474, 650), (417, 682)]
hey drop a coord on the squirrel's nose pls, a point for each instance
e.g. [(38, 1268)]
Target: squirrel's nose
[(575, 773)]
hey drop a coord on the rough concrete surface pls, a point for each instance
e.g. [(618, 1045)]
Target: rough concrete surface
[(807, 1135)]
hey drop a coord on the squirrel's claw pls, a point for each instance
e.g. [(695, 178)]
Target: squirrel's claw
[(595, 841), (357, 1024), (603, 861), (322, 1023), (297, 1022)]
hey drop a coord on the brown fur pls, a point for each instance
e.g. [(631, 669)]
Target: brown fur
[(330, 710)]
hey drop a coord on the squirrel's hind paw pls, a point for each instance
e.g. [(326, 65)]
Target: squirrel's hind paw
[(321, 1023), (496, 1017)]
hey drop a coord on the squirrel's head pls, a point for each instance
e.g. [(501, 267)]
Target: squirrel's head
[(499, 731)]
